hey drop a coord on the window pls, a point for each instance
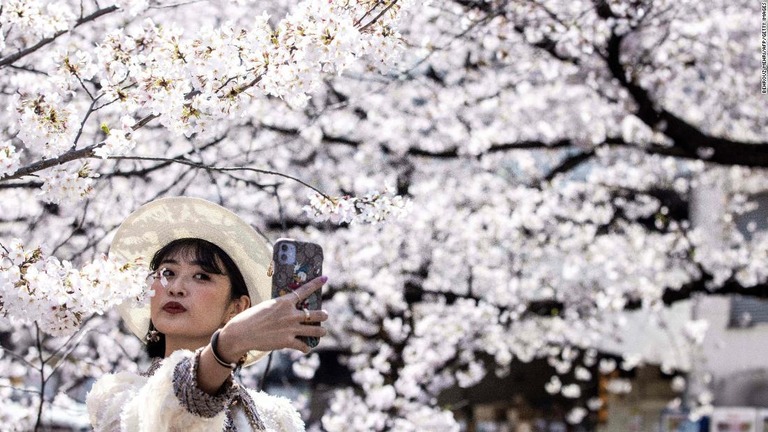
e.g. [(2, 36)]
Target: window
[(747, 311)]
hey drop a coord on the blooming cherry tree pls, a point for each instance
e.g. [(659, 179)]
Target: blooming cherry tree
[(493, 182)]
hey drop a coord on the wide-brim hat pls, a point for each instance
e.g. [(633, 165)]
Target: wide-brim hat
[(159, 222)]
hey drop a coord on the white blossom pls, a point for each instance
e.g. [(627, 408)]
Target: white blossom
[(607, 366), (471, 376), (522, 179), (678, 384), (571, 391), (9, 159), (619, 386), (371, 208), (583, 374), (42, 19), (47, 122), (306, 366), (554, 385), (119, 141), (576, 415), (594, 403), (62, 185), (696, 330), (55, 295)]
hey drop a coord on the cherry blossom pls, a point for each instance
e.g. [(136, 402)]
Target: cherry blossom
[(492, 182)]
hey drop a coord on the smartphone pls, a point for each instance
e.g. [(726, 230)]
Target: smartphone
[(295, 263)]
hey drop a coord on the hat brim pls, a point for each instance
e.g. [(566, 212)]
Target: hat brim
[(159, 222)]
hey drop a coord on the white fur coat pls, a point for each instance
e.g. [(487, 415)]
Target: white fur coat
[(128, 402)]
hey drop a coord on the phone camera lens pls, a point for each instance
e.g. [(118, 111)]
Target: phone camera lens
[(284, 257), (284, 247)]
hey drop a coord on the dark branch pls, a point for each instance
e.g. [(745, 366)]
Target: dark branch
[(569, 163), (209, 168), (287, 224), (14, 57), (701, 286), (70, 156), (688, 141), (549, 46)]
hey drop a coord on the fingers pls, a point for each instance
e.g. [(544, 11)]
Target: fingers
[(318, 316), (306, 290), (280, 322), (312, 331), (306, 316), (297, 344), (310, 328)]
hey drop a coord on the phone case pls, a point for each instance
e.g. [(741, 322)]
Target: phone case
[(289, 275)]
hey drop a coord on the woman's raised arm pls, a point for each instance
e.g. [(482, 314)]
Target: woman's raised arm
[(270, 325)]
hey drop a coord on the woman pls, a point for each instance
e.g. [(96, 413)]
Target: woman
[(211, 313)]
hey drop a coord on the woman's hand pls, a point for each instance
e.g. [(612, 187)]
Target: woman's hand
[(273, 324), (270, 325)]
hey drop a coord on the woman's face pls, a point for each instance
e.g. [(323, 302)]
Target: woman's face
[(189, 303)]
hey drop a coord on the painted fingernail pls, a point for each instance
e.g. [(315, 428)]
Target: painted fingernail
[(324, 279)]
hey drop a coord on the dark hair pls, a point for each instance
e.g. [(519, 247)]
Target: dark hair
[(208, 256)]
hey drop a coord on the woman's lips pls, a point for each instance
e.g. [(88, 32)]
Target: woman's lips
[(174, 308)]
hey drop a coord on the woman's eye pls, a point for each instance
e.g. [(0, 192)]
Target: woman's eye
[(202, 276), (165, 273)]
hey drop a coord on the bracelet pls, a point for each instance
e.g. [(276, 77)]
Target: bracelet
[(214, 351)]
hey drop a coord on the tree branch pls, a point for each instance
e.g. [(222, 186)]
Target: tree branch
[(52, 162), (199, 165), (569, 163), (689, 141), (26, 51), (700, 285), (391, 4)]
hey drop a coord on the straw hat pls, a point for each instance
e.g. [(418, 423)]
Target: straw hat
[(159, 222)]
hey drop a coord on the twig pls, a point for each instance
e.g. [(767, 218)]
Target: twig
[(221, 169), (143, 122), (13, 57), (48, 163), (13, 354), (42, 377), (90, 111), (376, 18), (368, 12)]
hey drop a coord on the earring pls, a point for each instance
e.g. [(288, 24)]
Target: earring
[(153, 336)]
